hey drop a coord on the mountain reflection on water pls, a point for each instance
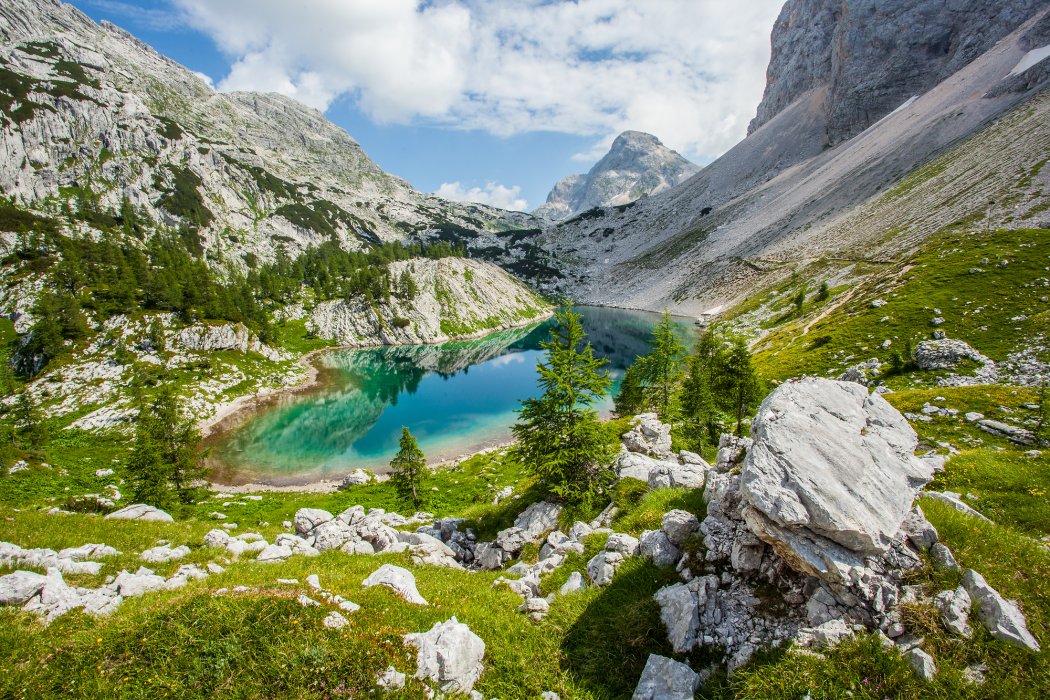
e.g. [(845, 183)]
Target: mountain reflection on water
[(455, 398)]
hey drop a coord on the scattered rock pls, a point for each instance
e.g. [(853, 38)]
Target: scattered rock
[(955, 501), (943, 558), (655, 546), (273, 554), (678, 525), (164, 553), (679, 611), (18, 587), (399, 580), (450, 655), (666, 679), (358, 477), (306, 519), (390, 679), (945, 354)]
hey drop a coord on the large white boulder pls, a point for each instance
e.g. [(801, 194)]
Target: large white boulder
[(397, 579), (306, 519), (666, 679), (450, 655), (831, 475), (140, 511), (654, 545)]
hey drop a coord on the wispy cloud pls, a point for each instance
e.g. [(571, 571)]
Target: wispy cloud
[(689, 71), (164, 18), (493, 194)]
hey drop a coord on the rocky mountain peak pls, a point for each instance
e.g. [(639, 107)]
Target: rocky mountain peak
[(867, 57), (637, 165)]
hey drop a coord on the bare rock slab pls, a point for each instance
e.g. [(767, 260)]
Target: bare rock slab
[(449, 655), (397, 579), (140, 511)]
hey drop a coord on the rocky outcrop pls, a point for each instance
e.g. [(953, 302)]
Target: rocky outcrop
[(457, 298), (1002, 617), (637, 165), (831, 476), (226, 336)]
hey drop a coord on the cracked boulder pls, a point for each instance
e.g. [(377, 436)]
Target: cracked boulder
[(450, 655), (830, 477)]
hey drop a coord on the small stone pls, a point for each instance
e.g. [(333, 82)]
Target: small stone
[(335, 621), (573, 584), (397, 579), (943, 558), (306, 601), (922, 663), (666, 679)]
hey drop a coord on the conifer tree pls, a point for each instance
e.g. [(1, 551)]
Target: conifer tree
[(662, 367), (559, 436), (31, 432), (699, 411), (165, 462), (408, 471), (741, 385), (630, 400)]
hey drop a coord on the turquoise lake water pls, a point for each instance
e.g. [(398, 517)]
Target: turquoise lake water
[(455, 398)]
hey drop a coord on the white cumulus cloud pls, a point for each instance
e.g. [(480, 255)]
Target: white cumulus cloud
[(493, 194), (689, 71)]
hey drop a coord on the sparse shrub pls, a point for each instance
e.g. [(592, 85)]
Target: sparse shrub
[(824, 293), (400, 322)]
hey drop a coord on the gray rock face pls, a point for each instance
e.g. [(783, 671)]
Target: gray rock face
[(140, 511), (666, 679), (831, 475), (637, 165), (450, 655), (1002, 617), (669, 475), (397, 579), (870, 56), (306, 519)]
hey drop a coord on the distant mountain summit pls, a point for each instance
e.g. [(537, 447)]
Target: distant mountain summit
[(637, 165)]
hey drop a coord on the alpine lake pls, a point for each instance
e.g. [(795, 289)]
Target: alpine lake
[(456, 399)]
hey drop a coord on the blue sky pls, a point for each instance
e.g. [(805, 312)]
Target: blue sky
[(486, 100)]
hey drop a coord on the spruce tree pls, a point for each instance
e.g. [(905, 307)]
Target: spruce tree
[(31, 432), (166, 461), (743, 382), (662, 367), (560, 438), (697, 401), (630, 400), (1042, 428), (408, 471)]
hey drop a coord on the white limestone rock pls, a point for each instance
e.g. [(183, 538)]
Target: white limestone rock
[(831, 475), (397, 579), (306, 519), (1002, 617), (680, 612), (335, 621), (18, 587), (140, 511), (573, 584), (954, 607), (274, 554), (648, 436), (450, 655), (922, 663), (164, 553), (678, 525), (666, 679), (655, 546)]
